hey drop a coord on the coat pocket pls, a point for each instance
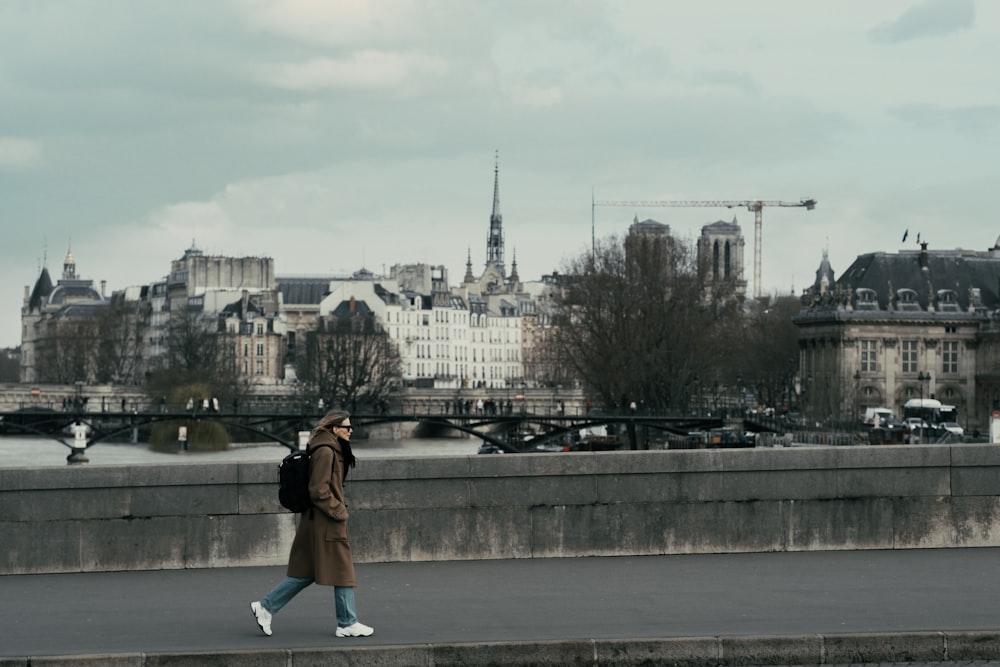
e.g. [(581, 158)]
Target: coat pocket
[(335, 531)]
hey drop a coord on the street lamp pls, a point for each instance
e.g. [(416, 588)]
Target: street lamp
[(857, 395), (741, 395), (697, 398), (923, 377), (807, 400), (79, 448)]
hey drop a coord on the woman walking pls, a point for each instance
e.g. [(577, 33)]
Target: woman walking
[(321, 551)]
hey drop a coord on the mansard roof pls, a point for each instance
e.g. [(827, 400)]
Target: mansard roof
[(303, 290), (926, 273), (74, 290), (388, 297), (508, 309), (917, 281), (349, 308), (81, 309), (235, 309)]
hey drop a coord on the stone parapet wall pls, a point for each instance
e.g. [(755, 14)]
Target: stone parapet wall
[(101, 518), (14, 396)]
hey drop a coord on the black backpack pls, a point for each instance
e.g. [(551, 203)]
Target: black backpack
[(293, 481)]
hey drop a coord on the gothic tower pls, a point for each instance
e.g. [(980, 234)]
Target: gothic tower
[(494, 242), (720, 257)]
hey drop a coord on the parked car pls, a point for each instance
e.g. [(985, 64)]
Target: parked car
[(914, 423), (953, 427)]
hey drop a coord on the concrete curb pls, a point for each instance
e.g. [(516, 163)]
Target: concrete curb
[(730, 651)]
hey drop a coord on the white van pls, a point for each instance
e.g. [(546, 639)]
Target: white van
[(879, 417)]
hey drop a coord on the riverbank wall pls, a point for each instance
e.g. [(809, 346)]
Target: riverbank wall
[(106, 518)]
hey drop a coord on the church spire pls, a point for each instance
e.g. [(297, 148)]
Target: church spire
[(469, 278), (69, 264), (494, 242), (514, 278)]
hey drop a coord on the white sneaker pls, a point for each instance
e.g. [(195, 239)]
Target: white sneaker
[(263, 617), (355, 630)]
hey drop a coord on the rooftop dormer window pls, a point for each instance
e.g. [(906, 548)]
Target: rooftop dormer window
[(906, 299), (867, 299), (947, 300)]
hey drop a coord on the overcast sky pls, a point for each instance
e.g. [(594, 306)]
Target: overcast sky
[(332, 135)]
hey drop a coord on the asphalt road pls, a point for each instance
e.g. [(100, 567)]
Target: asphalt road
[(512, 601)]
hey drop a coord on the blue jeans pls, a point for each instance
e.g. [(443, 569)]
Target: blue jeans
[(343, 598)]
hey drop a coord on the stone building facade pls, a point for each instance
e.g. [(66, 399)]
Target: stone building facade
[(47, 317), (235, 297), (895, 326)]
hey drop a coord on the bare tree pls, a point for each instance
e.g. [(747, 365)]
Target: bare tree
[(543, 363), (769, 364), (634, 323), (198, 352), (119, 344), (350, 361), (10, 368), (66, 350)]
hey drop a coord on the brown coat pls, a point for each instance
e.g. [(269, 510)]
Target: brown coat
[(321, 548)]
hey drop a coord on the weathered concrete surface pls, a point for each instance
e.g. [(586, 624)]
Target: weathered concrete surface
[(106, 518)]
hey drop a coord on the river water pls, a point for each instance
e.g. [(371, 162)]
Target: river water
[(31, 452)]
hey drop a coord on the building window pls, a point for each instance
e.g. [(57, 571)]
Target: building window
[(949, 356), (260, 328), (909, 356), (260, 368), (867, 299), (869, 356), (260, 349), (947, 300), (907, 299)]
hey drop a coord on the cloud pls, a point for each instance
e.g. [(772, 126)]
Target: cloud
[(973, 122), (340, 24), (930, 19), (16, 153), (197, 219), (364, 69)]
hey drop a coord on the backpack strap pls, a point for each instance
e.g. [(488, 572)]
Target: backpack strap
[(330, 447)]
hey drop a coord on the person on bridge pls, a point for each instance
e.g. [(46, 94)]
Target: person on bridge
[(321, 550)]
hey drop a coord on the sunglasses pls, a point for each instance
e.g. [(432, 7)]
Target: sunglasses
[(347, 426)]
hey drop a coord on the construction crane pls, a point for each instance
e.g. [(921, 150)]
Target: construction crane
[(755, 205)]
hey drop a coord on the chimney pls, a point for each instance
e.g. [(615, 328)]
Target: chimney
[(351, 307), (104, 285), (923, 255)]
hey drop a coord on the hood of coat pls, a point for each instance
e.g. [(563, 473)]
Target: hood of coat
[(325, 438)]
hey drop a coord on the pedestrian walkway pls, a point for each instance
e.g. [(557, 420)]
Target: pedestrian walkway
[(771, 608)]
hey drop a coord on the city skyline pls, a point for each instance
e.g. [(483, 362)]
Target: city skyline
[(332, 136)]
